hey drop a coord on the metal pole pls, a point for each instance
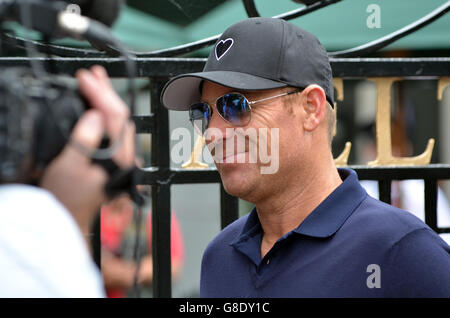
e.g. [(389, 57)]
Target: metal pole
[(162, 278)]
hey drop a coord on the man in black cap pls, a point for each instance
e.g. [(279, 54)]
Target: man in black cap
[(314, 231)]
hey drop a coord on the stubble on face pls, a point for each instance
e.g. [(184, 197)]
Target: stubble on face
[(246, 180)]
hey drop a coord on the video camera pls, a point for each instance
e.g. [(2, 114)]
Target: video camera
[(36, 118), (39, 110)]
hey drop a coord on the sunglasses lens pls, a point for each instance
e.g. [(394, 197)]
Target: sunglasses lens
[(234, 108), (199, 115)]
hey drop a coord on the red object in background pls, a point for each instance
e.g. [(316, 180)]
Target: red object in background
[(115, 219), (176, 238)]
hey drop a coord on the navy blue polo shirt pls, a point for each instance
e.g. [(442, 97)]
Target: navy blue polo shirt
[(351, 245)]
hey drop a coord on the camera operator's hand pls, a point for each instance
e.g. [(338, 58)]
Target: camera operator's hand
[(72, 177)]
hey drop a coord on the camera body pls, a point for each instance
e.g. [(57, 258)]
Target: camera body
[(36, 120)]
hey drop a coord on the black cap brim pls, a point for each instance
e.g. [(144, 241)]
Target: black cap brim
[(184, 90)]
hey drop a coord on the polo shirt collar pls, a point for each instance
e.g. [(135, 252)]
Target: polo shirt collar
[(326, 218)]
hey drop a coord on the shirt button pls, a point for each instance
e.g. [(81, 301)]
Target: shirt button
[(268, 261)]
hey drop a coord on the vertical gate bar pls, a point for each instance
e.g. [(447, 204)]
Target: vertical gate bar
[(431, 193), (95, 241), (384, 190), (162, 277), (229, 208)]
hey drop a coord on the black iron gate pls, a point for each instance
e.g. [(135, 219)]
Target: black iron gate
[(160, 66)]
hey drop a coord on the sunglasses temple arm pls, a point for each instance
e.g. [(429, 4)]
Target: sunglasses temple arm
[(271, 97)]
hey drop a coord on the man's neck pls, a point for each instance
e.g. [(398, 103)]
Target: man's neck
[(284, 212)]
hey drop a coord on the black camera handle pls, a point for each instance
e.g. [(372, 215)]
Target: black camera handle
[(120, 180)]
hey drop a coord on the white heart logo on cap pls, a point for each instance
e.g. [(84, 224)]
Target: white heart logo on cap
[(222, 47)]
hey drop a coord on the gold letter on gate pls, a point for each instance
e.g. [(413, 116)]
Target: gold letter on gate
[(342, 159), (443, 82), (195, 161), (383, 130)]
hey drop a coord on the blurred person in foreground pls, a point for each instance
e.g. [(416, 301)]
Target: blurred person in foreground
[(314, 231), (44, 231)]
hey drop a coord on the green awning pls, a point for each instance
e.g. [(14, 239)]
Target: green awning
[(342, 25), (339, 26)]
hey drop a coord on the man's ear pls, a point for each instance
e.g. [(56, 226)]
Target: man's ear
[(314, 104)]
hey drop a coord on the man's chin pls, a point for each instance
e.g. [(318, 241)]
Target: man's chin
[(237, 179)]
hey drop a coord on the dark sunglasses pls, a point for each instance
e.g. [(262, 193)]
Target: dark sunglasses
[(234, 108)]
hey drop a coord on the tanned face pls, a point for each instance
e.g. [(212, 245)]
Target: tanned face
[(279, 134)]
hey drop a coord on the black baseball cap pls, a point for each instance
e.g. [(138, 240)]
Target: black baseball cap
[(256, 54)]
